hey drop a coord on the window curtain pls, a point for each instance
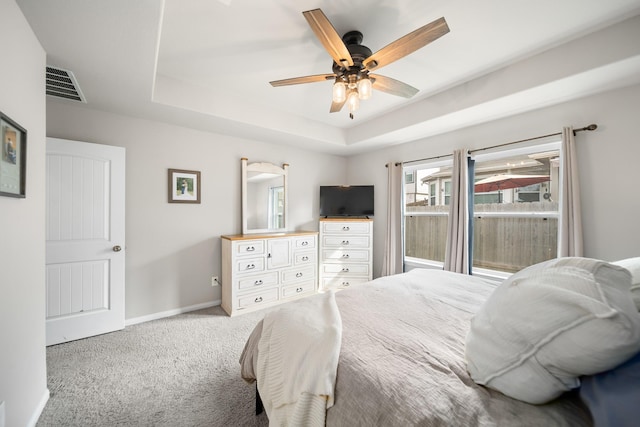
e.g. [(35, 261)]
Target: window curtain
[(457, 256), (570, 228), (392, 262), (471, 170)]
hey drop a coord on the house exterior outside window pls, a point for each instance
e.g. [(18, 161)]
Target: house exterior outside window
[(425, 223)]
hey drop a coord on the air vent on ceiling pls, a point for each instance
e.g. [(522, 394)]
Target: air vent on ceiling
[(62, 84)]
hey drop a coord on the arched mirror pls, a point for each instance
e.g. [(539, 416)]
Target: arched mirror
[(264, 197)]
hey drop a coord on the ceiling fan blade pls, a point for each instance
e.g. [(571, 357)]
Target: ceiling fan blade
[(392, 86), (301, 80), (328, 36), (407, 44), (337, 106)]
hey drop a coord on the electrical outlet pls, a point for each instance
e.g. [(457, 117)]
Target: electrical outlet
[(215, 281)]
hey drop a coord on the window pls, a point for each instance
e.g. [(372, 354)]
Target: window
[(515, 221), (447, 192), (410, 177), (276, 207), (432, 194), (516, 208), (425, 219)]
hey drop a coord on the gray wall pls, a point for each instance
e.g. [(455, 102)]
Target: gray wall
[(608, 157), (172, 250), (22, 329)]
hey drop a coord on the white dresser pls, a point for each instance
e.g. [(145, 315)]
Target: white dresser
[(261, 270), (346, 252)]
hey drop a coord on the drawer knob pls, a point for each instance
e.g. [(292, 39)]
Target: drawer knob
[(298, 274), (258, 282), (259, 299), (345, 242), (345, 228), (299, 290), (345, 256), (251, 248), (345, 283), (305, 258), (251, 266), (305, 243), (345, 270)]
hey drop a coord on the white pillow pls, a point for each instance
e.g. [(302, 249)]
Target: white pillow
[(549, 324), (633, 265)]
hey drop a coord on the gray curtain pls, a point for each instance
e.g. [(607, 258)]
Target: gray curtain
[(457, 257), (392, 262), (570, 227)]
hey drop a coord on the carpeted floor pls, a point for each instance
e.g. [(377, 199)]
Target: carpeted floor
[(178, 371)]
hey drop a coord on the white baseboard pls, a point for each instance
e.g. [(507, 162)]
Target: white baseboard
[(169, 313), (36, 415)]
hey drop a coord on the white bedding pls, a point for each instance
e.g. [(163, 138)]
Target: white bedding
[(297, 360)]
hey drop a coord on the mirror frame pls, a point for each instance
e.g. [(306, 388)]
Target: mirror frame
[(265, 168)]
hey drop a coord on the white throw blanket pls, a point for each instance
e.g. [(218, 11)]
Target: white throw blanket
[(298, 360)]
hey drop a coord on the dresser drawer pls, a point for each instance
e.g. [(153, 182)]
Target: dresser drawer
[(257, 298), (342, 282), (298, 274), (345, 255), (345, 241), (249, 265), (346, 269), (336, 227), (304, 242), (304, 258), (298, 289), (250, 247), (262, 280)]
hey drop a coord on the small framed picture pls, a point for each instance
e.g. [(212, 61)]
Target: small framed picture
[(13, 158), (184, 186)]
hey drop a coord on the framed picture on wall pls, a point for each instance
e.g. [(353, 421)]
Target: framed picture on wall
[(184, 186), (13, 158)]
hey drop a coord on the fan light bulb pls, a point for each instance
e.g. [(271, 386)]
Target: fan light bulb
[(353, 101), (364, 88), (339, 92)]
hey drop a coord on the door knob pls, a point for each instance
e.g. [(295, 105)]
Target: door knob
[(117, 248)]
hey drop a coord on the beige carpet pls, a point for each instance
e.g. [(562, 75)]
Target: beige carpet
[(178, 371)]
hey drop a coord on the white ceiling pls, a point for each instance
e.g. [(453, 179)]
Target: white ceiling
[(206, 64)]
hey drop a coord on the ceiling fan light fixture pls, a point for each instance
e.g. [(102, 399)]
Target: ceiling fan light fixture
[(352, 61), (339, 91), (353, 101), (364, 88)]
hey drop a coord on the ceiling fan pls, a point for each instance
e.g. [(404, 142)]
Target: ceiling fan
[(352, 61)]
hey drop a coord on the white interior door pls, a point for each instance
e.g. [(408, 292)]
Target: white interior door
[(85, 239)]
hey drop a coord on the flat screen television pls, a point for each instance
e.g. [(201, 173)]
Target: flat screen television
[(346, 200)]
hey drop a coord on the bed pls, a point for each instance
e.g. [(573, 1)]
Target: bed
[(401, 359)]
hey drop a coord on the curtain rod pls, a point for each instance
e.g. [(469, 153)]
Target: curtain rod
[(589, 128)]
